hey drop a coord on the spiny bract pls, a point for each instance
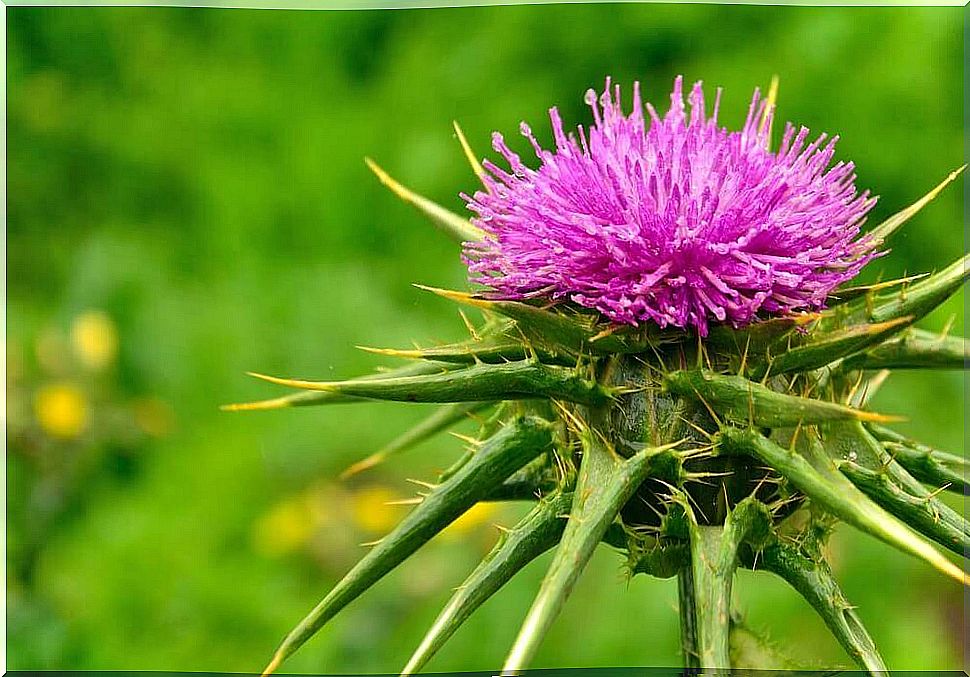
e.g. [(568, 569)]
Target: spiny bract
[(693, 446)]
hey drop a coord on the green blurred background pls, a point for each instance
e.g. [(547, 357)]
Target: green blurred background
[(187, 201)]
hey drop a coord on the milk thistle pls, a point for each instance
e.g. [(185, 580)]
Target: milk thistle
[(672, 363)]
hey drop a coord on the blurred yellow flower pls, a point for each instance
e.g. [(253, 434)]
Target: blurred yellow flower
[(371, 512), (95, 339), (479, 514), (61, 410), (284, 529)]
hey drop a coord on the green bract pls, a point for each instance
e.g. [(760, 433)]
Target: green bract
[(694, 457)]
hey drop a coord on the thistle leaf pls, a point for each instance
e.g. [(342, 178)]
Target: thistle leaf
[(660, 560), (884, 230), (460, 229), (533, 535), (922, 297), (491, 349), (578, 333), (827, 347), (441, 419), (742, 401), (813, 580), (843, 294), (483, 382), (750, 650), (870, 467), (758, 337), (604, 485), (510, 449), (821, 481), (932, 466), (310, 399), (914, 349), (944, 526)]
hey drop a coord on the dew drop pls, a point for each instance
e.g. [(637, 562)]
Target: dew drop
[(852, 456), (590, 97)]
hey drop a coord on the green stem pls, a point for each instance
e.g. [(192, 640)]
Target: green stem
[(688, 616), (713, 559), (705, 585)]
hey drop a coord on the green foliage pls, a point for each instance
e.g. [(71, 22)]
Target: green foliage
[(198, 175)]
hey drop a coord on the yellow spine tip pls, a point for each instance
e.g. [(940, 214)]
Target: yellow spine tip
[(260, 405), (268, 378), (874, 417), (295, 383), (361, 466), (273, 665), (389, 181), (457, 296), (390, 352)]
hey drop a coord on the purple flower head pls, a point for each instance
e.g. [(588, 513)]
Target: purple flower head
[(673, 220)]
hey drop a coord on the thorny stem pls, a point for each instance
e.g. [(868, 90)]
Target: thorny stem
[(705, 585), (706, 598), (686, 605)]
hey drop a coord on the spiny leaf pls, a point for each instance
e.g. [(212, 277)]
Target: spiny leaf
[(740, 400), (826, 347), (936, 468), (533, 535), (458, 228), (604, 485), (510, 449), (758, 337), (870, 467), (855, 442), (750, 650), (309, 399), (919, 299), (442, 418), (844, 294), (919, 513), (579, 333), (483, 382), (821, 481), (881, 233), (813, 579), (658, 559), (492, 349), (914, 349)]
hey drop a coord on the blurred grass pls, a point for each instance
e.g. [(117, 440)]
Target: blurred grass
[(197, 176)]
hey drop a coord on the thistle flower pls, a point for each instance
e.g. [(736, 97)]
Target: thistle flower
[(737, 442), (674, 220)]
